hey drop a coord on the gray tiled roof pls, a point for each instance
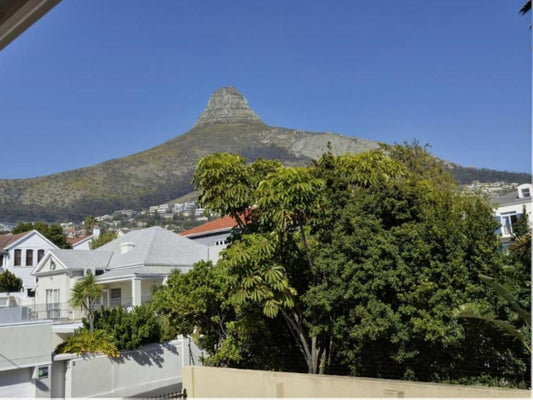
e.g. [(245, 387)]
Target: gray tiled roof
[(154, 246), (80, 259), (510, 198), (154, 251)]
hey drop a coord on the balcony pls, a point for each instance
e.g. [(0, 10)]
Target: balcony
[(58, 312)]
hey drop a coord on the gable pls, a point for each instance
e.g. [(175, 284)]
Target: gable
[(32, 239), (49, 263)]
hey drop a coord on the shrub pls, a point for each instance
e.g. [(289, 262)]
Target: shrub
[(86, 342), (9, 282), (130, 330)]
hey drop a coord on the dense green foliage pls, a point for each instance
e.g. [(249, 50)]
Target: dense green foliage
[(130, 330), (52, 232), (512, 285), (9, 282), (196, 304), (89, 342), (105, 237), (364, 258)]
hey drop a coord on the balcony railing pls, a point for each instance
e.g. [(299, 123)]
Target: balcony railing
[(64, 311)]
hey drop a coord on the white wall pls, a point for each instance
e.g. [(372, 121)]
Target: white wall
[(32, 241), (154, 367), (24, 348)]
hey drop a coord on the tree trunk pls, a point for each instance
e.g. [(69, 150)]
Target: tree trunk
[(296, 328)]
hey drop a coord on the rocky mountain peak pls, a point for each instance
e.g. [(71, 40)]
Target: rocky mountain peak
[(227, 105)]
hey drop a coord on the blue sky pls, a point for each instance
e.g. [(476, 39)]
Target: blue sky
[(95, 80)]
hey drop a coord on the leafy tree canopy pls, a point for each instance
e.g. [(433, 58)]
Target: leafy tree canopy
[(363, 258)]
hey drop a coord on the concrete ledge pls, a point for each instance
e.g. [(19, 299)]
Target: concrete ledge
[(230, 382)]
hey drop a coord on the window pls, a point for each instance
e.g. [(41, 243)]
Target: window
[(525, 192), (1, 259), (508, 221), (29, 258), (52, 303), (18, 257), (40, 255), (115, 296)]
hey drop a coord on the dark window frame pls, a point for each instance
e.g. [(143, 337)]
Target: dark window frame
[(17, 262), (29, 258)]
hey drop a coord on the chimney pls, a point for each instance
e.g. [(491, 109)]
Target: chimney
[(126, 247), (96, 231)]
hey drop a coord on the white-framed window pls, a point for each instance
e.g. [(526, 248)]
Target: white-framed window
[(53, 307), (508, 220), (115, 296)]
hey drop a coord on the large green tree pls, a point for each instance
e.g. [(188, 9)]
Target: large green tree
[(363, 258)]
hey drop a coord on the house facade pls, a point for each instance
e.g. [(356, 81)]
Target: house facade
[(21, 253), (213, 234), (128, 268), (510, 207)]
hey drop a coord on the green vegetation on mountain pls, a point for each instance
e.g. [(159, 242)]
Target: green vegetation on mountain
[(164, 172)]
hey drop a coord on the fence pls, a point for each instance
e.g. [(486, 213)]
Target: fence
[(58, 311)]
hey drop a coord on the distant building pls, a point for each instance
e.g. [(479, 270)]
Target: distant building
[(163, 209), (84, 242)]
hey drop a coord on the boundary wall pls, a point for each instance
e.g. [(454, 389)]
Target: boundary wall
[(229, 382)]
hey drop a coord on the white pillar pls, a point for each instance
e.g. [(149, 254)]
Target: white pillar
[(136, 292)]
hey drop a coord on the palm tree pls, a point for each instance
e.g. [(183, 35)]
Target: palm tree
[(85, 295), (525, 8), (477, 311)]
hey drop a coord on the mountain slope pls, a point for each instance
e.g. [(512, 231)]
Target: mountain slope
[(164, 172)]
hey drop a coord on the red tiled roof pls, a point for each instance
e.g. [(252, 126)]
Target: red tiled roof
[(226, 222), (75, 240), (6, 240)]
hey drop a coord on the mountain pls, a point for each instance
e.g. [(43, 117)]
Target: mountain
[(164, 172)]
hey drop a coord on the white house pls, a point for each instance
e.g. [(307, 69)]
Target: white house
[(21, 253), (213, 234), (129, 268), (163, 209), (510, 206)]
